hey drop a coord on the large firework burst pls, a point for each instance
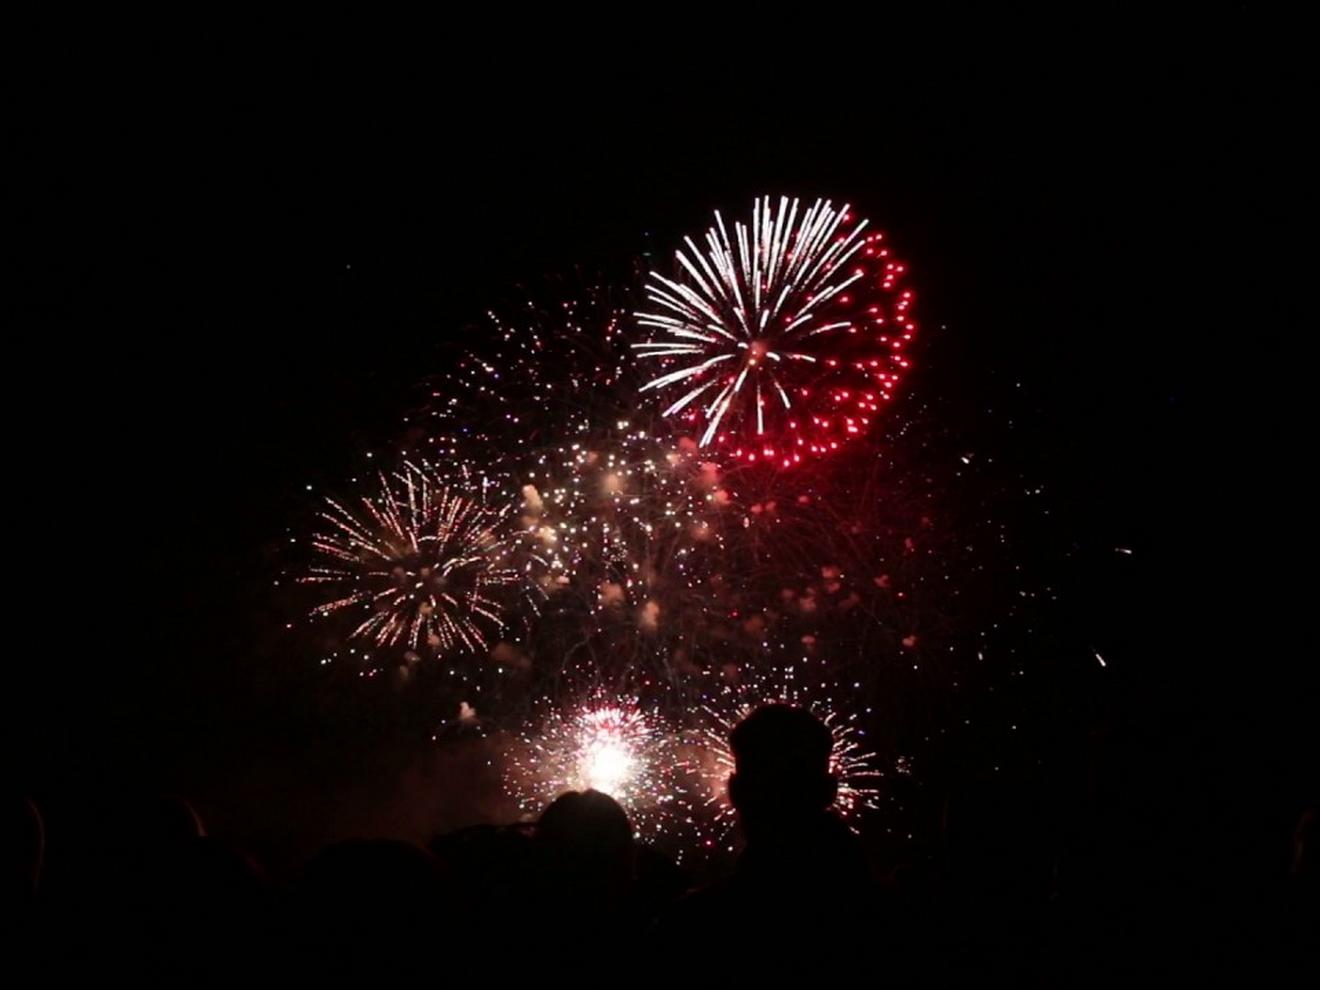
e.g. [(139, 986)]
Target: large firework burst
[(784, 341), (422, 563)]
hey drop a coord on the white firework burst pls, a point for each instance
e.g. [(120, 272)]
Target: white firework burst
[(788, 335), (427, 563)]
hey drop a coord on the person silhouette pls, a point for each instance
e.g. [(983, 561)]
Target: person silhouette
[(801, 886), (584, 870)]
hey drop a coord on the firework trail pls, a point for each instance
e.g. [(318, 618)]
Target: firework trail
[(640, 438)]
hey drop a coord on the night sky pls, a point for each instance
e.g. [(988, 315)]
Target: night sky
[(241, 258)]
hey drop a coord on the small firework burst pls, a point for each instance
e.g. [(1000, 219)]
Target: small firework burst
[(854, 766), (783, 342), (609, 744), (423, 563)]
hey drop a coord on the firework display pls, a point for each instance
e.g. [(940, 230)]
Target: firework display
[(615, 522), (784, 340)]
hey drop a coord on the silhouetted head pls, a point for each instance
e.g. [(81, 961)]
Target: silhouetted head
[(781, 768), (589, 828)]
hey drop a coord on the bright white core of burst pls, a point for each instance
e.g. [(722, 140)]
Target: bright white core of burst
[(606, 764)]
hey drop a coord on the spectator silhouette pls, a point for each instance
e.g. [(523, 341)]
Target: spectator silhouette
[(589, 832), (372, 907), (137, 887), (207, 912), (1305, 866), (488, 867), (801, 887), (23, 867), (27, 850), (1301, 914), (585, 865)]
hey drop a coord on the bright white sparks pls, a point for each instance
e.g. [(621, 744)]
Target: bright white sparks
[(420, 559), (745, 308)]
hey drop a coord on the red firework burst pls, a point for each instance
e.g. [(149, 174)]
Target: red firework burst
[(784, 341)]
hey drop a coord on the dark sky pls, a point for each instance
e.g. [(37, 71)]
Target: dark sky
[(242, 254)]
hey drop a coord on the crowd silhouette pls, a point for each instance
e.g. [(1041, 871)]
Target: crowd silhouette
[(148, 892)]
